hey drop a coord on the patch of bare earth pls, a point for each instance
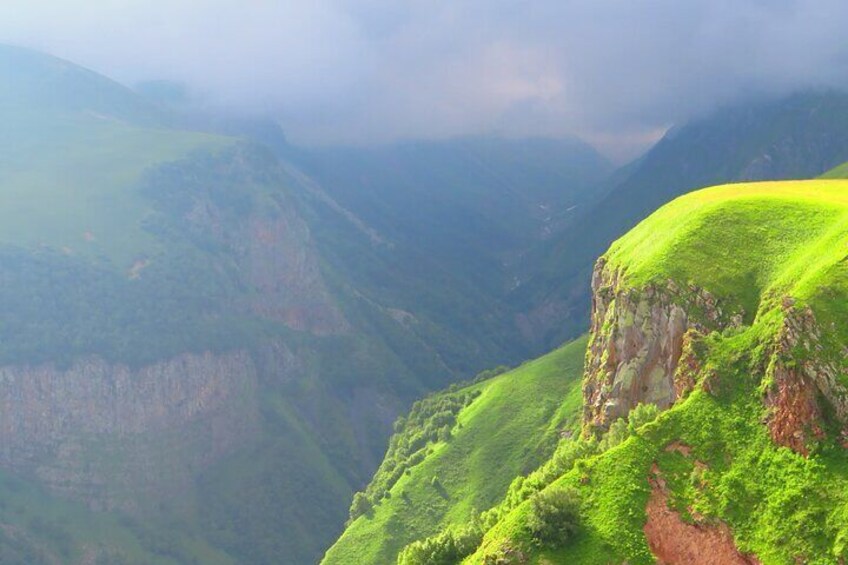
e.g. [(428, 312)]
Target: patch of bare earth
[(675, 542)]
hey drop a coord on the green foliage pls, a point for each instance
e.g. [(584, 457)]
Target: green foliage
[(59, 306), (568, 453), (554, 516), (514, 424), (446, 548), (762, 242), (623, 428), (429, 421), (361, 505)]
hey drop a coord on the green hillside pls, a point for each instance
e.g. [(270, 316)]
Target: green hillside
[(762, 242), (69, 182), (511, 425), (126, 236), (714, 462), (337, 286), (839, 172)]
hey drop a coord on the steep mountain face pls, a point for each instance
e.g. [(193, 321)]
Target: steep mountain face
[(490, 442), (714, 420), (638, 341), (748, 359), (443, 224), (118, 438), (798, 137), (167, 317), (207, 345)]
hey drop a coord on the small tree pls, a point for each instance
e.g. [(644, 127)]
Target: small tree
[(360, 505), (641, 415), (554, 516)]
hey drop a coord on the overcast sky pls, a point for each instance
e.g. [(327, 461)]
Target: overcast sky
[(616, 72)]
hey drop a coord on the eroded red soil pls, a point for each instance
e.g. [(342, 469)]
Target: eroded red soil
[(675, 542)]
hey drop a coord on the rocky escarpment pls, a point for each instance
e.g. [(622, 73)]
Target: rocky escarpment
[(258, 225), (170, 381), (114, 436), (637, 339), (802, 383), (644, 349)]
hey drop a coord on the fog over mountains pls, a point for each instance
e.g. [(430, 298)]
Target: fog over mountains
[(366, 71)]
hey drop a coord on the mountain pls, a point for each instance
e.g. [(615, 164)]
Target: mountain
[(432, 479), (797, 137), (204, 346), (207, 333), (164, 308), (434, 229), (713, 402)]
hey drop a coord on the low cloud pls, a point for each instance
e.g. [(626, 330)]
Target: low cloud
[(616, 72)]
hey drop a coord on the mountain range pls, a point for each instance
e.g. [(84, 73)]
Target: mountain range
[(213, 338)]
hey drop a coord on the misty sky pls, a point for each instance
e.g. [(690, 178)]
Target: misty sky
[(615, 72)]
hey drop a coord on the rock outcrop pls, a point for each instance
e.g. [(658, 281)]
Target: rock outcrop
[(638, 338), (801, 381), (644, 349), (113, 436)]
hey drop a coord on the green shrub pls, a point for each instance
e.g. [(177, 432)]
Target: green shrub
[(430, 420), (446, 548), (554, 516), (361, 505)]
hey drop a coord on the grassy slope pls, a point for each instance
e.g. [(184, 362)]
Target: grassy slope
[(73, 150), (839, 172), (505, 432), (40, 528), (70, 182), (761, 241), (750, 244), (86, 170)]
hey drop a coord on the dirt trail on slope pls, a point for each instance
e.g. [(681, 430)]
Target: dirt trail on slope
[(674, 542)]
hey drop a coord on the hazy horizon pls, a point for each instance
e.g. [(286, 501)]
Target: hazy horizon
[(369, 71)]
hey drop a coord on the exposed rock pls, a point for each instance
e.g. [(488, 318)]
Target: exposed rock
[(280, 264), (638, 338), (800, 378), (269, 251), (689, 364), (112, 436)]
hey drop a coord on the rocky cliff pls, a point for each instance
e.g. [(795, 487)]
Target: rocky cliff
[(124, 434), (115, 436), (644, 350), (802, 383), (638, 336)]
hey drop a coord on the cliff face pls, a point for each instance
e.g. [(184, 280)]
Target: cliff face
[(123, 436), (802, 383), (643, 349), (268, 247), (114, 436), (637, 339)]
